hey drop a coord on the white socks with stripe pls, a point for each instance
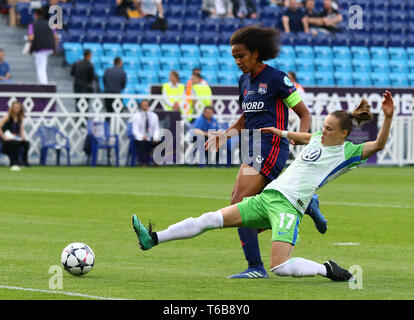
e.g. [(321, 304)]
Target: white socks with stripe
[(191, 227), (299, 267)]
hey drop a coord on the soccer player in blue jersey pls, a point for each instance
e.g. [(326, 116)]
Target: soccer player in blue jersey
[(266, 94)]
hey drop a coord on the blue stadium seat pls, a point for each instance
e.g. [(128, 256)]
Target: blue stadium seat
[(304, 52), (341, 39), (209, 51), (305, 65), (112, 49), (151, 50), (324, 79), (410, 53), (341, 52), (132, 78), (107, 61), (142, 88), (398, 66), (168, 64), (170, 50), (227, 78), (164, 75), (96, 49), (361, 53), (133, 36), (152, 36), (378, 53), (131, 50), (171, 37), (193, 24), (287, 52), (174, 24), (148, 78), (231, 24), (225, 51), (378, 40), (208, 64), (362, 79), (189, 50), (306, 78), (113, 36), (398, 80), (397, 53), (73, 52), (117, 23), (344, 79), (226, 64), (342, 65), (97, 23), (131, 62), (323, 52), (396, 40), (210, 76), (286, 65), (323, 39), (360, 66), (212, 24), (77, 35), (77, 22), (209, 37), (189, 63), (380, 80), (190, 37), (150, 63), (410, 78), (378, 66), (323, 65)]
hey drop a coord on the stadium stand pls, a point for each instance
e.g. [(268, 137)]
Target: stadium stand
[(382, 46)]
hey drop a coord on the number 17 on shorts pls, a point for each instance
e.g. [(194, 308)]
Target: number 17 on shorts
[(288, 228)]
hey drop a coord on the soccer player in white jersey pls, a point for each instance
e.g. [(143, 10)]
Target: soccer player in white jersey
[(283, 202)]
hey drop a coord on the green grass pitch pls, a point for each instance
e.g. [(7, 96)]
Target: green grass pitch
[(42, 209)]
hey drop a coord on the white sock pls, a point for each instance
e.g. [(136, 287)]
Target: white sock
[(299, 267), (192, 227)]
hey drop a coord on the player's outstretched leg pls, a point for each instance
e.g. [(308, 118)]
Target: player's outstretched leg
[(315, 213), (145, 236), (299, 267), (250, 245)]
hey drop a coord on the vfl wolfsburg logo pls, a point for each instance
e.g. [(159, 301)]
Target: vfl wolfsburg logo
[(311, 154)]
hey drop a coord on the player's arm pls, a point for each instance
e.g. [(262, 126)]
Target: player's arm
[(298, 137), (372, 147), (305, 117)]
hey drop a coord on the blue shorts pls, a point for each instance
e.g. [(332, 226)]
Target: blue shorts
[(272, 157)]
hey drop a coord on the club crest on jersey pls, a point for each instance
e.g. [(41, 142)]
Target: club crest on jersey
[(287, 81), (311, 154), (262, 88), (259, 159)]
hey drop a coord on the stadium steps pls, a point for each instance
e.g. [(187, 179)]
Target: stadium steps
[(22, 67)]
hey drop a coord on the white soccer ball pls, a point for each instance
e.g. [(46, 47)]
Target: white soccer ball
[(78, 258)]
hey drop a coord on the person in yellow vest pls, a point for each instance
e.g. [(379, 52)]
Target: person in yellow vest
[(173, 93), (201, 89)]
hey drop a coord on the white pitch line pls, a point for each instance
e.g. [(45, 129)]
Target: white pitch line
[(347, 243), (186, 195), (73, 294)]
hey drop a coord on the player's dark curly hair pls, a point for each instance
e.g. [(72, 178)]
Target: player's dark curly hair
[(254, 37), (361, 115)]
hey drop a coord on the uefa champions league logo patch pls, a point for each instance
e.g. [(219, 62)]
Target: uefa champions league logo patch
[(287, 81), (262, 88), (311, 154)]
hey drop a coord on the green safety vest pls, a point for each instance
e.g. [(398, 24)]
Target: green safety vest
[(202, 90), (173, 91)]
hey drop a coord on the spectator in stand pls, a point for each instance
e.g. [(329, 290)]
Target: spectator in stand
[(151, 8), (115, 80), (244, 9), (145, 128), (44, 42), (5, 75), (294, 20), (122, 7), (217, 8), (84, 75), (331, 16), (314, 20), (173, 93), (12, 136)]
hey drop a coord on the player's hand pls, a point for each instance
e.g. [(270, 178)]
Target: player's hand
[(271, 130), (216, 139), (388, 104)]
